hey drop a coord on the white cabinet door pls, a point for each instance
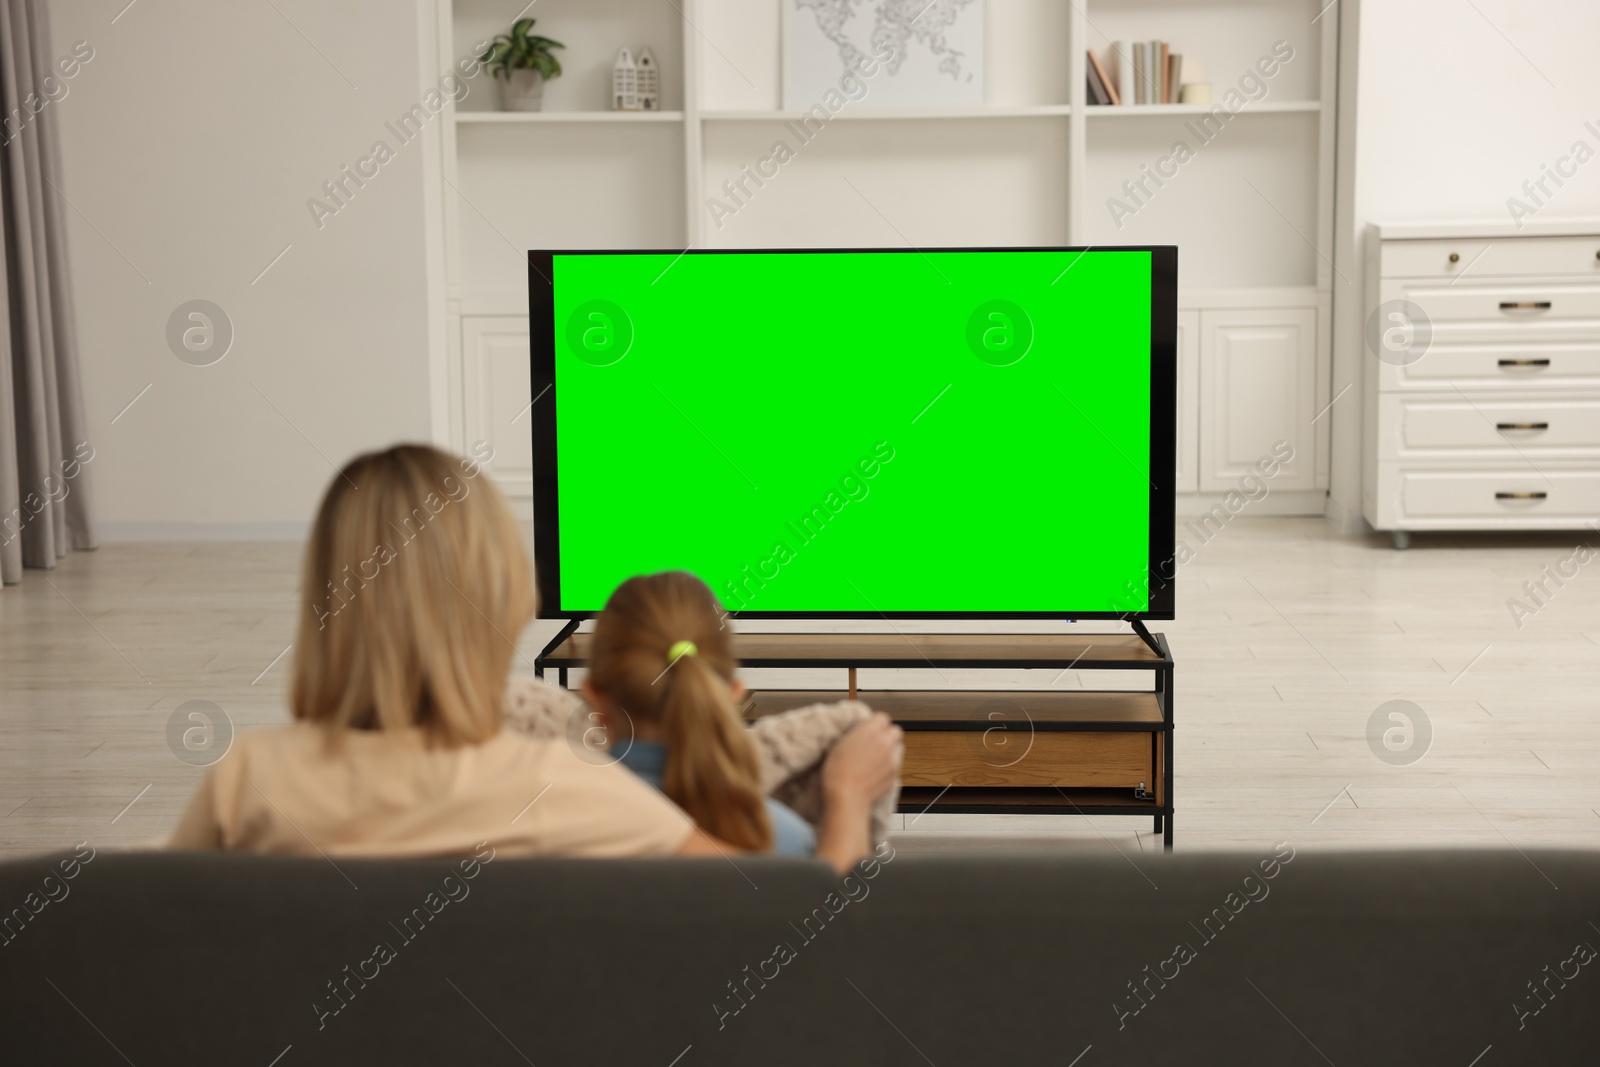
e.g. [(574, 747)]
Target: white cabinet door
[(495, 378), (1257, 387), (1188, 480)]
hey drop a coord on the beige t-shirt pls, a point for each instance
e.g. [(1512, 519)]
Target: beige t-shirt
[(386, 793)]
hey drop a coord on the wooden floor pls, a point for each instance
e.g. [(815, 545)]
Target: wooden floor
[(1289, 638)]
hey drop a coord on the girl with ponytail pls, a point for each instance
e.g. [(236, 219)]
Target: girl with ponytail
[(661, 675)]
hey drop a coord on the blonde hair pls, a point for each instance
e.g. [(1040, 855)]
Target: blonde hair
[(416, 584), (711, 772)]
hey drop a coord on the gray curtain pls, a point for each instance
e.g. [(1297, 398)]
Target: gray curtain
[(44, 447)]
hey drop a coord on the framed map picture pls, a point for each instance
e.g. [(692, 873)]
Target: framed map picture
[(907, 53)]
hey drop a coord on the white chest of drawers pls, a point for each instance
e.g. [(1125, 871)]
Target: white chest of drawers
[(1482, 376)]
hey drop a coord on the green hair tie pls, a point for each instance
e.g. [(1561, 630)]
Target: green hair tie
[(682, 649)]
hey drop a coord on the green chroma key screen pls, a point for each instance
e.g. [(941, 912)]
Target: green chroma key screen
[(857, 433)]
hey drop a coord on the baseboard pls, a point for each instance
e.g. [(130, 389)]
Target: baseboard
[(1286, 504), (1346, 521), (129, 531)]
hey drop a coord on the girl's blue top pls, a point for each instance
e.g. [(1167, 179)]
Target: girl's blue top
[(791, 835)]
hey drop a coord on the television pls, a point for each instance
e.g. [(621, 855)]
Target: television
[(956, 433)]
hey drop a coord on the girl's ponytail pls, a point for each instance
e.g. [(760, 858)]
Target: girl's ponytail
[(662, 654), (712, 772)]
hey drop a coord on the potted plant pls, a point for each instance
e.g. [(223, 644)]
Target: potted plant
[(522, 62)]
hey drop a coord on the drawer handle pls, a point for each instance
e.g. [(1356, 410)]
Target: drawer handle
[(1524, 362), (1522, 426), (1524, 305), (1520, 496)]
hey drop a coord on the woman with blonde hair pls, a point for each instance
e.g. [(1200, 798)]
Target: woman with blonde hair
[(416, 586)]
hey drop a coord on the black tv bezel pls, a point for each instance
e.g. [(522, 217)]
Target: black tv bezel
[(1163, 430)]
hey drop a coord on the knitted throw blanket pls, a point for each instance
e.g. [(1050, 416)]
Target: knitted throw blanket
[(790, 746)]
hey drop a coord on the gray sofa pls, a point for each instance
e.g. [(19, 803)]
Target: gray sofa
[(1474, 959)]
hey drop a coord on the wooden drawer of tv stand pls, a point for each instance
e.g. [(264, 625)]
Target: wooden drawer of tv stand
[(1060, 758), (1081, 739)]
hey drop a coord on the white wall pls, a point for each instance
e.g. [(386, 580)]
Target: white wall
[(191, 143), (1446, 109)]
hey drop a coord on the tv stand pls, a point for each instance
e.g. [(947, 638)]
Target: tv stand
[(990, 751)]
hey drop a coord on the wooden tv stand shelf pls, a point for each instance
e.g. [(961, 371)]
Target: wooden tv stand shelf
[(991, 751)]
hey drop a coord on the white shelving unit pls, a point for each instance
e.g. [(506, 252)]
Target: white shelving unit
[(1251, 211)]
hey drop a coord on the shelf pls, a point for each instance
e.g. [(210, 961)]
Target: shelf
[(980, 800), (1266, 107), (1035, 112), (1070, 709), (516, 117), (981, 651), (898, 114)]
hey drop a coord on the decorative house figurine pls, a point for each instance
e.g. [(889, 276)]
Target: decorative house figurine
[(624, 83), (649, 81)]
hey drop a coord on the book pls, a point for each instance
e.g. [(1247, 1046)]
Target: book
[(1164, 95), (1152, 73), (1097, 73), (1097, 87), (1122, 61), (1174, 78), (1140, 81)]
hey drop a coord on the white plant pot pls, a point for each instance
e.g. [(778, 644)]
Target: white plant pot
[(523, 91)]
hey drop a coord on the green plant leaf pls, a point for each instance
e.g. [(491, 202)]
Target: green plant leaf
[(495, 56), (522, 50)]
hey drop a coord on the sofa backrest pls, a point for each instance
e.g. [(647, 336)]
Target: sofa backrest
[(1470, 958)]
